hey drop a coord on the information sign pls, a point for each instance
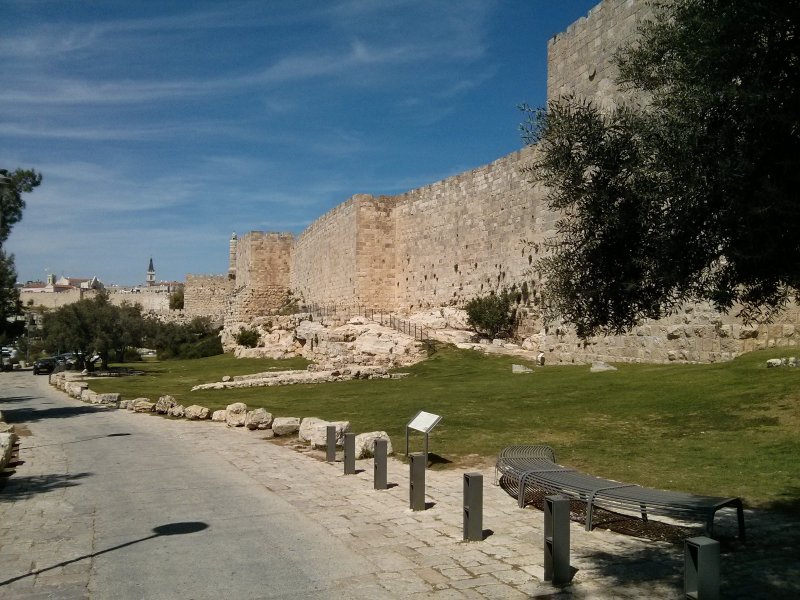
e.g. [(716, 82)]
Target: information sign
[(422, 422)]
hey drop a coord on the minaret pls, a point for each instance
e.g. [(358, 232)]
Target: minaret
[(151, 274)]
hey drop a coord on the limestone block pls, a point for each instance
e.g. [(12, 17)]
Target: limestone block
[(6, 427), (177, 411), (599, 366), (124, 403), (196, 412), (236, 414), (143, 405), (132, 403), (164, 404), (306, 330), (219, 416), (521, 369), (7, 440), (319, 436), (307, 427), (88, 395), (286, 425), (110, 399), (456, 318), (365, 443), (258, 419)]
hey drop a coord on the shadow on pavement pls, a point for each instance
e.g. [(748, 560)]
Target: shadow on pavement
[(11, 399), (180, 528), (88, 439), (31, 415), (20, 488)]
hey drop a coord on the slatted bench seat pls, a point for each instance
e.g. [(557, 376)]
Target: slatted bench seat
[(535, 467)]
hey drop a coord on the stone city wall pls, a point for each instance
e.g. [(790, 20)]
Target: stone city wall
[(579, 60), (54, 300), (481, 231), (149, 300), (206, 296), (468, 235), (324, 265)]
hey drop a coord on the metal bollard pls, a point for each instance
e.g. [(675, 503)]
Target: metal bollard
[(701, 568), (349, 453), (381, 451), (556, 540), (416, 489), (473, 507), (330, 450)]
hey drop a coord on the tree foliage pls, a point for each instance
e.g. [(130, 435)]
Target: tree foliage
[(196, 339), (691, 195), (491, 314), (13, 184), (176, 299), (95, 326)]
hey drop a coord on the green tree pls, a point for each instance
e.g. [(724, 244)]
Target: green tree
[(492, 314), (691, 195), (95, 325), (12, 185), (176, 300)]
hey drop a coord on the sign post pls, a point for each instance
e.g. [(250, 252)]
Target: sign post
[(422, 422)]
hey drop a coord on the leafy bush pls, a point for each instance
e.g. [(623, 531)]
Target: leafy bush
[(197, 339), (248, 338), (491, 314), (176, 300)]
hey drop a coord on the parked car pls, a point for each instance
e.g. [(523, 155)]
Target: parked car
[(44, 365), (6, 359)]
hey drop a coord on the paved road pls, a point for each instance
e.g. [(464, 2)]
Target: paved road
[(116, 506)]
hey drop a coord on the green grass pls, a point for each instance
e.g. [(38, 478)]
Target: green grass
[(728, 429)]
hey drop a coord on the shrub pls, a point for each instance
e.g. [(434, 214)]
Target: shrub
[(176, 300), (491, 314), (248, 338)]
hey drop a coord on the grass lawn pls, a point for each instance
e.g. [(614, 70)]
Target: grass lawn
[(728, 429)]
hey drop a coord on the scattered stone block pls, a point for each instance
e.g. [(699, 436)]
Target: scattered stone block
[(164, 404), (219, 416), (319, 437), (521, 369), (142, 405), (236, 414), (599, 366), (177, 411), (365, 443), (258, 419), (6, 427), (195, 412), (7, 441), (110, 399), (286, 425), (307, 427)]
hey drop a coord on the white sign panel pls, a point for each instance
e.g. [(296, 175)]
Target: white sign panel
[(424, 421)]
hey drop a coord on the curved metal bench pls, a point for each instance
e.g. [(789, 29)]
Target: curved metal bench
[(535, 467)]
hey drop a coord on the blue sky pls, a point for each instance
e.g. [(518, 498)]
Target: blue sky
[(161, 127)]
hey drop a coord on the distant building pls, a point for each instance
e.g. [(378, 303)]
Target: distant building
[(151, 274)]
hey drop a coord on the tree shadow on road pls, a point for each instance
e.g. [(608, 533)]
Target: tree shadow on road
[(20, 488), (12, 399), (180, 528), (32, 415)]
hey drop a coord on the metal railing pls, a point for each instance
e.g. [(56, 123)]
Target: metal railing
[(418, 332)]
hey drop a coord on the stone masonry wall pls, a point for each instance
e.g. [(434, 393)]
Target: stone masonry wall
[(481, 231), (579, 59), (206, 296), (324, 265), (468, 235)]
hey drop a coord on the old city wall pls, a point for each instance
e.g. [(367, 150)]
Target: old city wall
[(579, 60), (54, 300), (468, 235), (324, 265), (206, 296), (262, 275), (481, 231)]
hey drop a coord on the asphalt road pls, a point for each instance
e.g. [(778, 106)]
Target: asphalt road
[(107, 504)]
